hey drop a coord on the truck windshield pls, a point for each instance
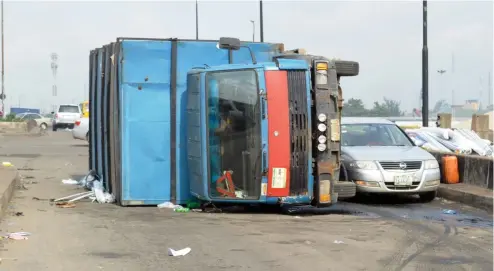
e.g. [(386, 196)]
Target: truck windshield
[(234, 134)]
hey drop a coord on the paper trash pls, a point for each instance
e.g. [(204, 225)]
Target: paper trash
[(181, 252)]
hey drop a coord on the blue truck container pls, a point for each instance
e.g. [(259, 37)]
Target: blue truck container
[(138, 120), (19, 110)]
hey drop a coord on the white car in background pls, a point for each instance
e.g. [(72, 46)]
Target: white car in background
[(43, 122), (81, 129), (65, 116)]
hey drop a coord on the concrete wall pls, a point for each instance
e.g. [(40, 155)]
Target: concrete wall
[(13, 127), (473, 169)]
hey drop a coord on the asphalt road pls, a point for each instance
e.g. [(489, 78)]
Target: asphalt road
[(370, 234)]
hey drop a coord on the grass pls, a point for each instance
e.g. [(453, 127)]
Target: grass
[(10, 118)]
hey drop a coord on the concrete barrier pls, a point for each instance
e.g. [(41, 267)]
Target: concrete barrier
[(13, 127), (9, 179), (473, 169)]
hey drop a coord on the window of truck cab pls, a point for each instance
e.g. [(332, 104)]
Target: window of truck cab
[(233, 133)]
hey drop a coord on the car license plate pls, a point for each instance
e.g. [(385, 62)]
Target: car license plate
[(403, 180)]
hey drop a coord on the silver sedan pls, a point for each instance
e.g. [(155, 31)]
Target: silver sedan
[(380, 158)]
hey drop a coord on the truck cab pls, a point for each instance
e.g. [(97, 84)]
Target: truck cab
[(268, 132)]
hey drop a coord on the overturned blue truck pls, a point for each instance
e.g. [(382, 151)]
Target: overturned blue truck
[(224, 122)]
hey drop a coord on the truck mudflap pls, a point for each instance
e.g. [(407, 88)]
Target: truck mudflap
[(345, 190)]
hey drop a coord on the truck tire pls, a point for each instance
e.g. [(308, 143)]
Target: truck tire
[(345, 190), (347, 68)]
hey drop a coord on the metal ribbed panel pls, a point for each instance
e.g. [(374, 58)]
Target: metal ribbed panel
[(299, 132)]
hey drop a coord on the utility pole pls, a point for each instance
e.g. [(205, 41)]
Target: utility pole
[(261, 21), (253, 30), (3, 68), (489, 88), (197, 20), (425, 68), (441, 73), (453, 82)]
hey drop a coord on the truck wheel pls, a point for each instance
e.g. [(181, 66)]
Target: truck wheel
[(54, 128), (345, 190), (427, 196), (347, 68)]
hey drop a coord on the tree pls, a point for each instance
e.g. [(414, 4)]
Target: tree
[(388, 108), (354, 108)]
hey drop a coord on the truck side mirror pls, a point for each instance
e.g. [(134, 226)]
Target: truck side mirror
[(229, 43), (52, 112)]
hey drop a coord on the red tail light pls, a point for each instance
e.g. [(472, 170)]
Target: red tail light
[(77, 122), (56, 116)]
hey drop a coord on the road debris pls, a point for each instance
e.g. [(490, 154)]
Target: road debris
[(18, 235), (7, 164), (19, 214), (65, 204), (70, 181), (338, 242), (167, 205), (36, 198), (449, 212), (182, 252)]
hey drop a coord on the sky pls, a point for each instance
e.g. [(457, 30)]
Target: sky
[(385, 37)]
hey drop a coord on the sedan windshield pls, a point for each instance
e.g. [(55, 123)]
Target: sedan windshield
[(373, 135)]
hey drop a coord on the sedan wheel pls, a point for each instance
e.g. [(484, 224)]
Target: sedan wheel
[(43, 126)]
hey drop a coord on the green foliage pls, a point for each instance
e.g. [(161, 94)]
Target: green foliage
[(387, 108), (10, 118)]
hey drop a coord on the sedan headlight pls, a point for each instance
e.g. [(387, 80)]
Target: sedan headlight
[(431, 164), (371, 165)]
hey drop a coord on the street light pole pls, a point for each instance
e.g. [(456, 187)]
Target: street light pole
[(261, 21), (425, 68), (197, 20), (253, 30), (3, 68)]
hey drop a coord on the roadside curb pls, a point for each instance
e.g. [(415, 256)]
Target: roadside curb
[(9, 179), (482, 198)]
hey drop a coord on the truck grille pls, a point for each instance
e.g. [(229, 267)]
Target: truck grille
[(401, 165), (299, 132)]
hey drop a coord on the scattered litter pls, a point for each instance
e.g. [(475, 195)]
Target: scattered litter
[(28, 177), (297, 216), (7, 164), (18, 235), (70, 181), (65, 204), (449, 212), (36, 198), (473, 237), (338, 242), (75, 197), (182, 252), (101, 196), (181, 209), (307, 242), (19, 214), (167, 205)]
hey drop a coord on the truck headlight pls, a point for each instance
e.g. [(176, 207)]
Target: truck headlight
[(322, 117), (431, 164), (322, 73), (370, 165), (321, 139), (321, 127), (321, 147), (324, 191)]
